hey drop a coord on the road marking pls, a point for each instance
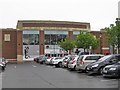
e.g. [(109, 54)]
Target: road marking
[(108, 80), (14, 66), (34, 66), (49, 66)]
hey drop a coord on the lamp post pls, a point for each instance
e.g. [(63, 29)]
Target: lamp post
[(118, 34), (100, 43)]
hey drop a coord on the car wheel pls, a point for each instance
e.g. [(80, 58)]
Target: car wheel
[(3, 68), (74, 68), (101, 70), (60, 64), (86, 70)]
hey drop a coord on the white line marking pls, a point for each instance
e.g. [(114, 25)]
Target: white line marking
[(34, 66), (14, 66), (109, 80)]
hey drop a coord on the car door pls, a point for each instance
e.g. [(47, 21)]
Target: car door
[(90, 59)]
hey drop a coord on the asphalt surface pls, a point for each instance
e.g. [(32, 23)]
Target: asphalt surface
[(34, 75)]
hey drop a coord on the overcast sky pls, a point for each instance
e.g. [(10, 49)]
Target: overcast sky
[(99, 13)]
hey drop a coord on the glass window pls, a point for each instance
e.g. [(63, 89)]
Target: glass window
[(30, 39), (53, 39), (92, 58)]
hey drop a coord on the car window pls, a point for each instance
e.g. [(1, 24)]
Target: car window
[(80, 58), (118, 58), (105, 58), (92, 58), (114, 59)]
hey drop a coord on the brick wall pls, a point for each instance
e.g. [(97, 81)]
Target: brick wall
[(9, 46)]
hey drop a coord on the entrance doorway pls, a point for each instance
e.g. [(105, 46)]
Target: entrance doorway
[(30, 44)]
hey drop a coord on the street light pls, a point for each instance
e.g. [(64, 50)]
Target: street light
[(118, 34), (100, 43)]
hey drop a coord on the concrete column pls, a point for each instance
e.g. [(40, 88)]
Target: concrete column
[(70, 34), (20, 46), (41, 42)]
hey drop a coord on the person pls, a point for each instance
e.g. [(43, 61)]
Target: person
[(25, 52)]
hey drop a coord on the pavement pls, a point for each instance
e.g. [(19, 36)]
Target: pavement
[(34, 75)]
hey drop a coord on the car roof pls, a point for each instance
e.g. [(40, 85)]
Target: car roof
[(93, 55)]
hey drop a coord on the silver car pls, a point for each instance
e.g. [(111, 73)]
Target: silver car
[(85, 60), (66, 60), (72, 63)]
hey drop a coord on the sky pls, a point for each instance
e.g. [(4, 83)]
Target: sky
[(99, 13)]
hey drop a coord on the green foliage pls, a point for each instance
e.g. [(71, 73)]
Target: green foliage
[(67, 44), (85, 40), (113, 33)]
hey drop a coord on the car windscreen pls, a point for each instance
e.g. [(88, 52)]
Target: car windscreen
[(93, 57), (104, 58), (80, 58)]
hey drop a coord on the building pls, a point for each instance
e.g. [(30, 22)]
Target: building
[(42, 37)]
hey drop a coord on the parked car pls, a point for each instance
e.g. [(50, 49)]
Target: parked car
[(66, 60), (43, 59), (112, 70), (3, 63), (97, 67), (48, 60), (57, 61), (85, 60), (37, 59), (84, 53), (72, 63)]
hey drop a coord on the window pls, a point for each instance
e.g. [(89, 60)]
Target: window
[(6, 37), (30, 39), (92, 58), (53, 39)]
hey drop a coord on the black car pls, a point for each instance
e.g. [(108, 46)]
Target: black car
[(112, 70), (97, 67)]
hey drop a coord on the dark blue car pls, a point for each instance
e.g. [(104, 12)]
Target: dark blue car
[(97, 67), (112, 70)]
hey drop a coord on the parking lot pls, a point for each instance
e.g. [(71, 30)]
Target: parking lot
[(35, 75)]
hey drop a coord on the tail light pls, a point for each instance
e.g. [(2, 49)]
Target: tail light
[(65, 61), (81, 62), (73, 61)]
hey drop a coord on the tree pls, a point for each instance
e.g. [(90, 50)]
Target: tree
[(67, 44), (85, 40), (113, 33)]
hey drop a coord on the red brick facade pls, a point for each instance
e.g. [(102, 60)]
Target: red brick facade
[(9, 48), (103, 46), (13, 49)]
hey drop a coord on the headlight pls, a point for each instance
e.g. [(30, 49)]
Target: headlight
[(112, 69), (96, 65)]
